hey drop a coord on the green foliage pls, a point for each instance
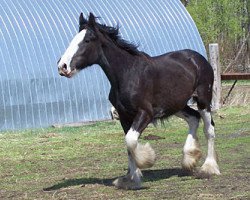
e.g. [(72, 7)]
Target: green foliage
[(221, 21)]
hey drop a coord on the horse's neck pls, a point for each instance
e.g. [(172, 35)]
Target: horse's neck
[(114, 62)]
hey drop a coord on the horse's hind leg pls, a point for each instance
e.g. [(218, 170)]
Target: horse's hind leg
[(191, 150), (210, 165)]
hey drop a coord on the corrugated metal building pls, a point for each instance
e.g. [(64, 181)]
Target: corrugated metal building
[(35, 33)]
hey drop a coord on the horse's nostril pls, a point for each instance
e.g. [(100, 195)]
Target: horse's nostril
[(64, 66), (62, 69)]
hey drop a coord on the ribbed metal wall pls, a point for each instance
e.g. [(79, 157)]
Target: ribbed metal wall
[(35, 33)]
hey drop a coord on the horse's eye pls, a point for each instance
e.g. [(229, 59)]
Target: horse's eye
[(87, 41)]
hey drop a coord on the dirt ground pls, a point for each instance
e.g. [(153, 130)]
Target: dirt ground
[(82, 162), (172, 182)]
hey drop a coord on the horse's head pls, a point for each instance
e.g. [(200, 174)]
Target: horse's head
[(83, 50)]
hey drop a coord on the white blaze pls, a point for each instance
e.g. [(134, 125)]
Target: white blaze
[(72, 49)]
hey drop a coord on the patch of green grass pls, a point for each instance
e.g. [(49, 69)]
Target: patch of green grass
[(239, 82), (82, 162)]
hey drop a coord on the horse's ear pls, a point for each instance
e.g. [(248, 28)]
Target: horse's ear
[(91, 20), (82, 21)]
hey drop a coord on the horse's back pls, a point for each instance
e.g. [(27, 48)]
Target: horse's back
[(178, 75), (198, 69), (185, 62)]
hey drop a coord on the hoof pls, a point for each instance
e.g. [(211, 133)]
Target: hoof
[(126, 183), (208, 169), (190, 159)]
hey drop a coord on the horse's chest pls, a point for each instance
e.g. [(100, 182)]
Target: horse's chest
[(122, 101)]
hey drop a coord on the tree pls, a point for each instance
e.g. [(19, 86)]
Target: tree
[(222, 21)]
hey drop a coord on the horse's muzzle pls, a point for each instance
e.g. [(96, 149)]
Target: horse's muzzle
[(62, 70)]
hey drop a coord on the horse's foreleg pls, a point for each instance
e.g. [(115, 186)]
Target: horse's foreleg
[(191, 150), (140, 156), (210, 165), (132, 180)]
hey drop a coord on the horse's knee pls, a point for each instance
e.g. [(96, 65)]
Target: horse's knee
[(208, 124), (131, 139)]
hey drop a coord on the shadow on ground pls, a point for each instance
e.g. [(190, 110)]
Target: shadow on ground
[(148, 176)]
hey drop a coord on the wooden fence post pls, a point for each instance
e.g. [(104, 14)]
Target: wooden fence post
[(215, 62)]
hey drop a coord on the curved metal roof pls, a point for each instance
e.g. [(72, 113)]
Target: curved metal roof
[(35, 33)]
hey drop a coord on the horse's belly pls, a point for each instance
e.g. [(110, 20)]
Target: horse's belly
[(168, 104)]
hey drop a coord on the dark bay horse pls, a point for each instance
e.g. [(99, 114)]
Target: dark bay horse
[(144, 89)]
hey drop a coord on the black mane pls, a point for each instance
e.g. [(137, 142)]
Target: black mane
[(114, 35)]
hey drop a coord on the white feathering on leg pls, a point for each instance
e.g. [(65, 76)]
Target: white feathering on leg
[(144, 156)]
